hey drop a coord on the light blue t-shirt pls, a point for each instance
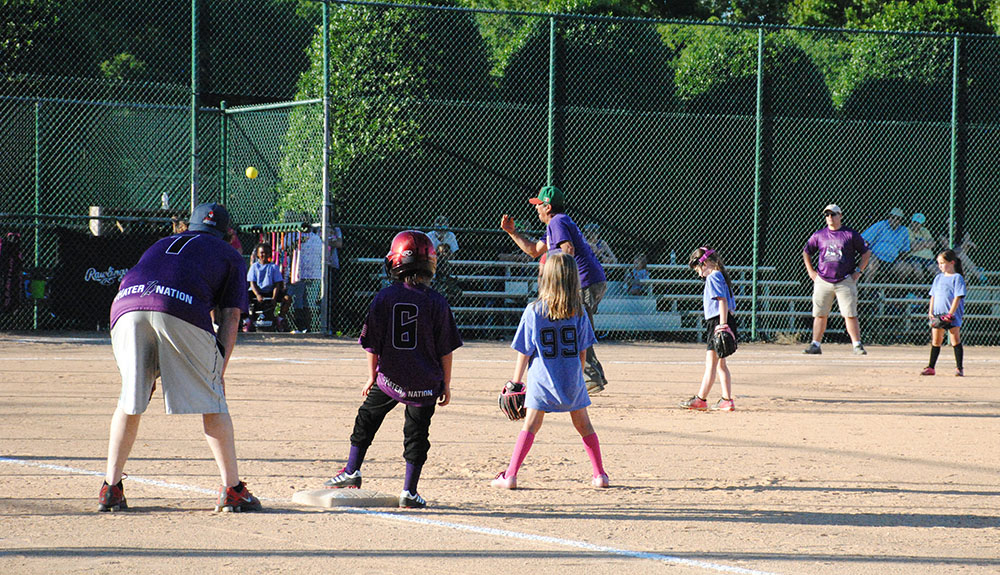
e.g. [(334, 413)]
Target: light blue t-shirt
[(264, 275), (944, 290), (887, 243), (555, 376), (716, 287)]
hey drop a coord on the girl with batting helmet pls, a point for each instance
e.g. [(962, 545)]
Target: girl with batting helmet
[(409, 336)]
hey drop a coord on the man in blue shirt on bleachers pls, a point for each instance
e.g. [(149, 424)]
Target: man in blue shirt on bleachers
[(888, 239)]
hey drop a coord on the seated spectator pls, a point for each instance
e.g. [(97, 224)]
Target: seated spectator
[(888, 240), (971, 271), (178, 225), (601, 249), (636, 275), (921, 260), (441, 235), (265, 280), (444, 283)]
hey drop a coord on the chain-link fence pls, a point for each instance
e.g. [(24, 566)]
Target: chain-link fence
[(665, 135)]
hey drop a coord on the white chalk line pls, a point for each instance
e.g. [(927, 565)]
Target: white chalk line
[(433, 522), (734, 361)]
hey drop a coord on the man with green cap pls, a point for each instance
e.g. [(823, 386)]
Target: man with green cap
[(562, 233)]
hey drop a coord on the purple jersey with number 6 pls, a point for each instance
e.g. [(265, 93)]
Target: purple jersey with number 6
[(185, 276), (410, 328)]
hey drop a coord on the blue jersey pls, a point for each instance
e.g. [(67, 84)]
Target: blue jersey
[(555, 376), (716, 287), (186, 276), (944, 290)]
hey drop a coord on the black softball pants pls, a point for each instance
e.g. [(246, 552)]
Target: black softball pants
[(416, 425)]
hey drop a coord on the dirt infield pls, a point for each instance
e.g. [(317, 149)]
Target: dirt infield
[(831, 464)]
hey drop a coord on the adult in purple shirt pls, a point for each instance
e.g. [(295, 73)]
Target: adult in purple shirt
[(562, 233), (838, 250), (161, 326)]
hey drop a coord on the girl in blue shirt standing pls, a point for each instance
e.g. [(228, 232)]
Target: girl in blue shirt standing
[(551, 343), (719, 305), (947, 301)]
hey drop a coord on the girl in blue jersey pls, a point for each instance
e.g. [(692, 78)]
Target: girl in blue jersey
[(948, 301), (719, 306), (551, 343)]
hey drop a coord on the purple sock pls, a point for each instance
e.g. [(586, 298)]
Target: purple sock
[(521, 448), (355, 459), (412, 477), (593, 448)]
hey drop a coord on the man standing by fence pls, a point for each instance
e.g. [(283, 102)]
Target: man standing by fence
[(561, 232), (836, 275)]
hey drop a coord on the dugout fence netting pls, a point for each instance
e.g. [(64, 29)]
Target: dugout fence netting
[(665, 135)]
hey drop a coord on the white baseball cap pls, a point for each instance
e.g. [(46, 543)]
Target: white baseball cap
[(832, 208)]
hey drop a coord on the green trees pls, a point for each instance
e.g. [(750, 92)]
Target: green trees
[(384, 63)]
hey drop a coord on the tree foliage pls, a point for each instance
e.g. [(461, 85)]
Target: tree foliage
[(383, 63)]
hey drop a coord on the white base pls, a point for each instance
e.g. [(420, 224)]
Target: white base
[(345, 498)]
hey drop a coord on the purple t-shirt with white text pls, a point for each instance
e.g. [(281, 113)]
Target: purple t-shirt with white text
[(186, 276), (410, 328), (838, 251), (562, 228)]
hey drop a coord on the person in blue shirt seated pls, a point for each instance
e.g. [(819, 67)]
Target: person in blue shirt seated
[(888, 240), (265, 279)]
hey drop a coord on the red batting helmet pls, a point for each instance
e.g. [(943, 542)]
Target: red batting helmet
[(411, 252)]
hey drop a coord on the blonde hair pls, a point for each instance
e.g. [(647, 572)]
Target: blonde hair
[(559, 287)]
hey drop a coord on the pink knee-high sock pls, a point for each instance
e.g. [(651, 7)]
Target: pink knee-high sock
[(521, 448), (593, 447)]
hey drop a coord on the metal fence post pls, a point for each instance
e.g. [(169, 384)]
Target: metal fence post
[(954, 141), (38, 197), (194, 104), (552, 102), (324, 292), (758, 144), (223, 125)]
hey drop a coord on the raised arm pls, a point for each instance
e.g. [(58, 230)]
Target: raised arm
[(527, 245)]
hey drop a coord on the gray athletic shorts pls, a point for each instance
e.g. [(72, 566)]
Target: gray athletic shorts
[(186, 358), (846, 292)]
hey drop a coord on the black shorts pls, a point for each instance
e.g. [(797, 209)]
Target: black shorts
[(713, 322)]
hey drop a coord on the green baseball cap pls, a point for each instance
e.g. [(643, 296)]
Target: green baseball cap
[(552, 196)]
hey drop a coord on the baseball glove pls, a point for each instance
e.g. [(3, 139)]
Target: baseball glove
[(511, 400), (942, 321), (723, 342)]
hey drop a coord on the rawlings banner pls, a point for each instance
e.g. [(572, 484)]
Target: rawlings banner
[(89, 271)]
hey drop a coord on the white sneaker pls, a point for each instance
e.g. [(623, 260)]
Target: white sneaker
[(407, 499), (600, 481), (501, 481)]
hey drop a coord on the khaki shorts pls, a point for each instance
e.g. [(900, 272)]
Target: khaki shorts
[(151, 344), (846, 292)]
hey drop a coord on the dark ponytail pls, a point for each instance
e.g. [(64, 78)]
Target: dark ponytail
[(707, 254)]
